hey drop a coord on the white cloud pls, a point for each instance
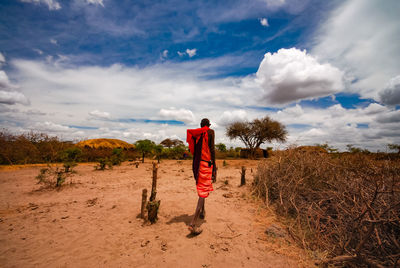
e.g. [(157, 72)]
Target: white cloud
[(12, 97), (183, 115), (40, 52), (291, 75), (390, 95), (165, 53), (362, 38), (8, 95), (2, 59), (95, 2), (100, 115), (191, 52), (52, 4), (53, 41), (264, 22), (369, 127), (49, 127), (5, 82), (391, 117), (229, 117), (65, 94)]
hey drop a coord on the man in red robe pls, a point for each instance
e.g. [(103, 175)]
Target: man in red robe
[(201, 145)]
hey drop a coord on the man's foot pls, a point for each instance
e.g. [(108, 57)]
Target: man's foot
[(195, 230), (202, 214)]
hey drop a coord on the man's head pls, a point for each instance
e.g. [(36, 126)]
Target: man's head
[(205, 122)]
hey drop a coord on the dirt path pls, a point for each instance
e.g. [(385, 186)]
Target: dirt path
[(93, 222)]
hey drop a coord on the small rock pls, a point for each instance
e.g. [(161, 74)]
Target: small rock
[(212, 246), (33, 206), (114, 206), (225, 249), (164, 246), (145, 243), (91, 202), (228, 195), (64, 217)]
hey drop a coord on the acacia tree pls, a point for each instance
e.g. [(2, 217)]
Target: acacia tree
[(171, 143), (145, 147), (257, 132)]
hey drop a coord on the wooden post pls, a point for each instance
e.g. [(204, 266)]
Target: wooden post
[(153, 204), (243, 178), (152, 208), (144, 201), (154, 184)]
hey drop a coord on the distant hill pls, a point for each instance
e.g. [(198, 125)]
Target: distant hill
[(105, 143)]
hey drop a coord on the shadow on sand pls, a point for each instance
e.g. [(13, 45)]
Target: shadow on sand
[(186, 218)]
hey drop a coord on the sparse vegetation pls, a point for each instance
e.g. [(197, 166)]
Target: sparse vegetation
[(347, 206), (394, 147), (117, 156), (103, 163), (70, 156), (52, 177), (355, 150)]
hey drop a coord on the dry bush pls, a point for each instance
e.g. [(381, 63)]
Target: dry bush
[(52, 177), (346, 205)]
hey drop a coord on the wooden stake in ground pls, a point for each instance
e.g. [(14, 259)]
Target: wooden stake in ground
[(153, 204), (144, 201), (243, 178)]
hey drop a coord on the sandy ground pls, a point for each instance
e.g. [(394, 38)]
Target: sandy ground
[(93, 221)]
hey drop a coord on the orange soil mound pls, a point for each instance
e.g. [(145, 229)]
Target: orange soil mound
[(105, 143)]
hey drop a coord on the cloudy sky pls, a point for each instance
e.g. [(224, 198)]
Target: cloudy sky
[(328, 70)]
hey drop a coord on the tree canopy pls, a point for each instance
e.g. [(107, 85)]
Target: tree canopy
[(221, 147), (145, 147), (172, 143), (257, 132)]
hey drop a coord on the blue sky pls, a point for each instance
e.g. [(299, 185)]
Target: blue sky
[(328, 70)]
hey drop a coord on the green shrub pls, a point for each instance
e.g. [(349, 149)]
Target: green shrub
[(103, 163), (52, 178)]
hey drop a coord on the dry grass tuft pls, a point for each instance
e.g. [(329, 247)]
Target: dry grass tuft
[(346, 205)]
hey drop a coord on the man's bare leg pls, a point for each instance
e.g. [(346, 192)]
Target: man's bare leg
[(203, 211), (200, 206)]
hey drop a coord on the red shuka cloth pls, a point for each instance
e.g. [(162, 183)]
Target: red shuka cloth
[(204, 179), (196, 134)]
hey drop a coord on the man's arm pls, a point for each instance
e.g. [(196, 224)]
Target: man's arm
[(211, 144)]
